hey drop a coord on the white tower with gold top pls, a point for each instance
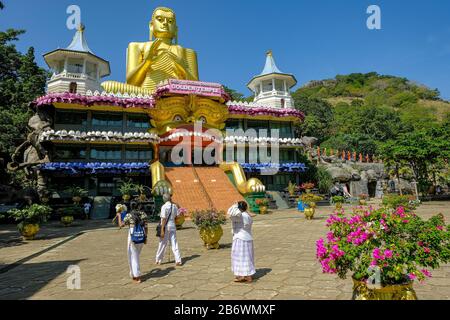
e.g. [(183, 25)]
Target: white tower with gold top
[(76, 69), (272, 87)]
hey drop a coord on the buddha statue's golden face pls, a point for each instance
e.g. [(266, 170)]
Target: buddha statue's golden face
[(163, 24)]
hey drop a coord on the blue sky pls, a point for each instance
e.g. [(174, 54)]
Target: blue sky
[(311, 39)]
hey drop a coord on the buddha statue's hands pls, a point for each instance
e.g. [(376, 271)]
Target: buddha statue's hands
[(152, 52)]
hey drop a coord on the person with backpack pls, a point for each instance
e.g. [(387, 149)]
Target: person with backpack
[(137, 237), (168, 231)]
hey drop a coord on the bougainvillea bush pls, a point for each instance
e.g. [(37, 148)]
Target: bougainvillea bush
[(403, 245), (208, 218)]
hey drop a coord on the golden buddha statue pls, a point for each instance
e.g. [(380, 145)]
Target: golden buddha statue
[(150, 63)]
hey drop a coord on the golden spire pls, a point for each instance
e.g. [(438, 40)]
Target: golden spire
[(269, 53)]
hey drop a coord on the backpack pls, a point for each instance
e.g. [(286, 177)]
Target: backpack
[(138, 235)]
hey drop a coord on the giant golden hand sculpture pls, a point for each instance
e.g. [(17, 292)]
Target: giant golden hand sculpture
[(150, 63)]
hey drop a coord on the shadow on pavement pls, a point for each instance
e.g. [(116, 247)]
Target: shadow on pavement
[(157, 273), (226, 246), (260, 273), (30, 278)]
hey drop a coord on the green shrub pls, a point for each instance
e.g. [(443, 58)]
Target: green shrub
[(324, 180)]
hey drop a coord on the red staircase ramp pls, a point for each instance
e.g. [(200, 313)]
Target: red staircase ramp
[(187, 189), (219, 188)]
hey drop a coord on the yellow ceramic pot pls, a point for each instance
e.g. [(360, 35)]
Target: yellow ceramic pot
[(309, 213), (179, 221), (66, 220), (29, 231), (263, 210), (392, 292), (362, 202), (211, 236), (338, 205), (126, 197)]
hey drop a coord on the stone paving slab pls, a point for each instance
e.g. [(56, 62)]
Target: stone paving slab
[(284, 251)]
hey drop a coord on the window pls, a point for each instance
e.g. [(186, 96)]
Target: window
[(59, 67), (91, 70), (286, 156), (70, 153), (259, 125), (107, 120), (279, 85), (234, 124), (138, 121), (284, 128), (75, 65), (106, 154), (73, 87), (139, 154), (71, 118), (267, 86)]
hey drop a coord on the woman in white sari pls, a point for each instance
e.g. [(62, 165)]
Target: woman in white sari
[(242, 251)]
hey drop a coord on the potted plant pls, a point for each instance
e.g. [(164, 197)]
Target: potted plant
[(310, 200), (210, 224), (262, 203), (181, 218), (30, 219), (141, 189), (338, 201), (67, 214), (291, 188), (77, 193), (384, 250), (363, 199), (308, 186), (127, 188)]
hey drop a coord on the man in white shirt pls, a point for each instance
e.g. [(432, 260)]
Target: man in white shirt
[(169, 211)]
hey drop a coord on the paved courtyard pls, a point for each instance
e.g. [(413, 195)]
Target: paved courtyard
[(284, 250)]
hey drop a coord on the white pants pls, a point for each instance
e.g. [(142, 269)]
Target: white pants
[(134, 250), (171, 235)]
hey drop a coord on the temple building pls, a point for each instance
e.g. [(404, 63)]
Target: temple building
[(97, 135)]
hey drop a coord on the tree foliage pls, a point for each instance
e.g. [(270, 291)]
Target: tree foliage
[(21, 81)]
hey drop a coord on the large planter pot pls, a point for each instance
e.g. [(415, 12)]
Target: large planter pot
[(309, 213), (28, 231), (179, 221), (391, 292), (211, 236), (338, 205), (67, 220), (263, 210), (76, 199), (126, 197)]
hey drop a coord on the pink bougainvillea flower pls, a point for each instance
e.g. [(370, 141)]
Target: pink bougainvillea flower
[(427, 250), (426, 273), (412, 276), (388, 253), (440, 228)]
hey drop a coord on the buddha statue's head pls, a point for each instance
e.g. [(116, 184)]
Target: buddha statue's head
[(163, 24)]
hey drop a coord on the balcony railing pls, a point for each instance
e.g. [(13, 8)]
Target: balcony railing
[(72, 76)]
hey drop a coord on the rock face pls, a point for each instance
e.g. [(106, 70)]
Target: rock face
[(360, 177)]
